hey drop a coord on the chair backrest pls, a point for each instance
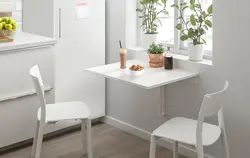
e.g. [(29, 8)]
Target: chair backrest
[(212, 104), (38, 83)]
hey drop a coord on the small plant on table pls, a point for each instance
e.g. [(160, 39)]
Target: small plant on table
[(155, 52)]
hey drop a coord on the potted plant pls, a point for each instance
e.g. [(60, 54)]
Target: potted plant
[(194, 27), (149, 14), (155, 53)]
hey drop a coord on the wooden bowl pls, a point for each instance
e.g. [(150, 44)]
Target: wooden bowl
[(6, 33)]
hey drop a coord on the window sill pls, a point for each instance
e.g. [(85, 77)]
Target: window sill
[(133, 51)]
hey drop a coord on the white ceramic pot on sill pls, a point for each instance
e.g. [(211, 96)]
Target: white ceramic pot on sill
[(148, 39), (195, 52)]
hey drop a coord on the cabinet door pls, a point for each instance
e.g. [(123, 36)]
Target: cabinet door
[(81, 45)]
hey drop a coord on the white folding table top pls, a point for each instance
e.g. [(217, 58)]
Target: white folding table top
[(151, 78)]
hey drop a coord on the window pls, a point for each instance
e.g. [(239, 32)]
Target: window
[(168, 33)]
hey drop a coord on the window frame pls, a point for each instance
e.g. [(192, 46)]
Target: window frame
[(178, 46)]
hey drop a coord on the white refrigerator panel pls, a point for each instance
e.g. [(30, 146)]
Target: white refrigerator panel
[(81, 45)]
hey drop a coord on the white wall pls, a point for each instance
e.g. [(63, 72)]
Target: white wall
[(138, 107), (231, 56), (15, 6), (38, 21)]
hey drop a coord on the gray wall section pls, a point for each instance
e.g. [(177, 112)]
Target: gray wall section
[(115, 28), (138, 107), (231, 56)]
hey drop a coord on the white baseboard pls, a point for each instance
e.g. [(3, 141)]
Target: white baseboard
[(184, 150)]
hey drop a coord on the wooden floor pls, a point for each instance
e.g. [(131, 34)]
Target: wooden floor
[(108, 142)]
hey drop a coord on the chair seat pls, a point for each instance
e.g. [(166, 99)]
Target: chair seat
[(65, 111), (184, 130)]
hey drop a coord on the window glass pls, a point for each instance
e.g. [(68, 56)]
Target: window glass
[(168, 33), (166, 29)]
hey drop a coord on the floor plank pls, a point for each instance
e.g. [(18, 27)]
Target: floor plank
[(108, 142)]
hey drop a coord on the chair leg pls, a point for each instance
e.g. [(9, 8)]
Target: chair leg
[(89, 139), (175, 151), (84, 145), (33, 152), (152, 147), (200, 152), (39, 141), (225, 144)]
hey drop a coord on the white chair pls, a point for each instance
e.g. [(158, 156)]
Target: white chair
[(51, 113), (195, 132)]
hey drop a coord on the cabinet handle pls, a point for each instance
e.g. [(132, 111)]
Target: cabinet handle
[(60, 23)]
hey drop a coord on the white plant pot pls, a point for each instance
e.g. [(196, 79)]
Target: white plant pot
[(148, 39), (195, 52)]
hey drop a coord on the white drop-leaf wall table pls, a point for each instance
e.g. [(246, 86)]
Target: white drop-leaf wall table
[(151, 78)]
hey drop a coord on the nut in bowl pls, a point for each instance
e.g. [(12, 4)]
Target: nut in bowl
[(136, 70)]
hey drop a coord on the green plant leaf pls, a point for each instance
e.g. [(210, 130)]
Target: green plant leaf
[(184, 8), (195, 41), (192, 7), (139, 10), (197, 6), (164, 1), (175, 6), (200, 19), (192, 20), (192, 2), (204, 41), (142, 2), (210, 9), (191, 33), (156, 48), (205, 26), (202, 31), (184, 37), (208, 23), (183, 4), (178, 26), (165, 12), (204, 14)]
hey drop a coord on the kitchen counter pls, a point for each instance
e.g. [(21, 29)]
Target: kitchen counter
[(26, 40), (17, 93)]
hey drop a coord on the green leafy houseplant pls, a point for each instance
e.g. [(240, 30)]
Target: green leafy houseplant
[(194, 27), (155, 53), (150, 15), (156, 49)]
